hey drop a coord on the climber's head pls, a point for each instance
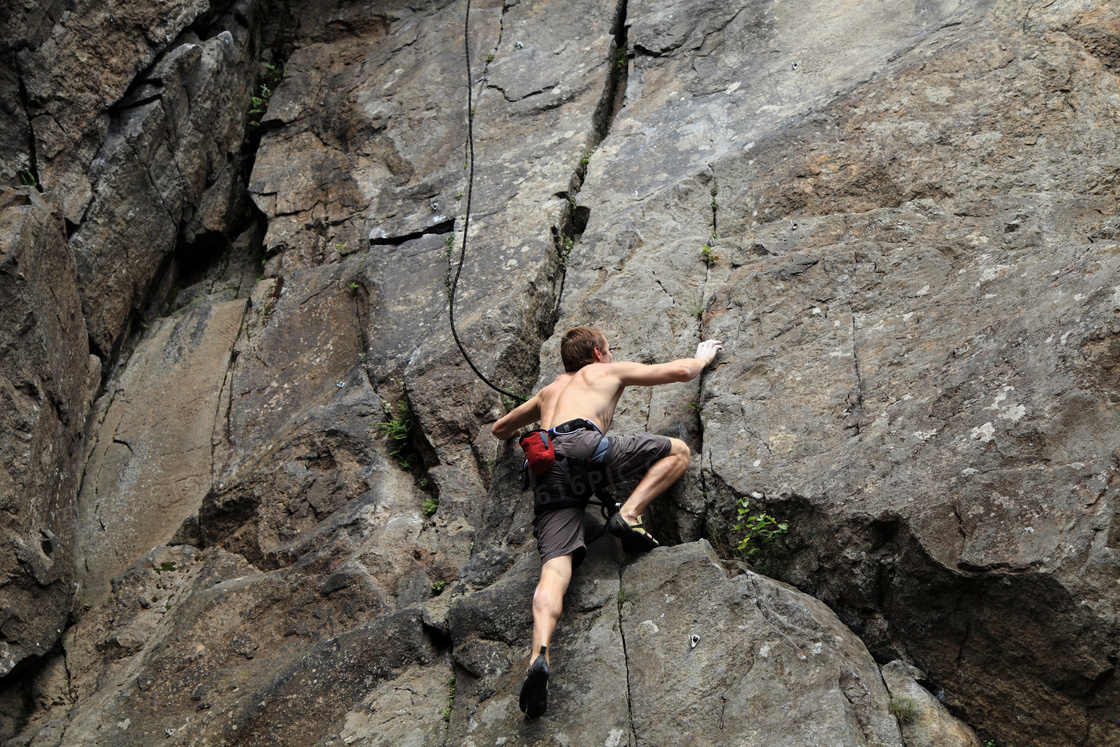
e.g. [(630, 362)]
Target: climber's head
[(580, 345)]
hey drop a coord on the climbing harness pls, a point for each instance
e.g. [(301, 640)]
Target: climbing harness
[(467, 218), (583, 480)]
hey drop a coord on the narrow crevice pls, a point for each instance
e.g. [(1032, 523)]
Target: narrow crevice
[(858, 377), (626, 662), (29, 178), (574, 218), (438, 229)]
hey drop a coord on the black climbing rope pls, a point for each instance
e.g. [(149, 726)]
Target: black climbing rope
[(467, 218)]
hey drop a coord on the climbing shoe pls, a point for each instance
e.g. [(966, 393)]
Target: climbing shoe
[(534, 693), (634, 537)]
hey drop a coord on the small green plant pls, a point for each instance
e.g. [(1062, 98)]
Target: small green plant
[(271, 75), (397, 430), (707, 256), (166, 567), (694, 405), (431, 505), (489, 58), (758, 529), (450, 699), (353, 287), (903, 709), (437, 586), (623, 594), (458, 195), (620, 58), (699, 311), (27, 178), (586, 157), (567, 250)]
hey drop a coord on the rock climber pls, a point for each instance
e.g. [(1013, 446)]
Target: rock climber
[(576, 410)]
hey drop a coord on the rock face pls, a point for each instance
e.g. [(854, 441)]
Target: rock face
[(45, 379), (286, 515)]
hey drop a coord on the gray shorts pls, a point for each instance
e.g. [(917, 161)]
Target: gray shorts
[(559, 531)]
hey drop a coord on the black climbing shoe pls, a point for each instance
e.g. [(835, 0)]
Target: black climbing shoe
[(634, 537), (534, 693)]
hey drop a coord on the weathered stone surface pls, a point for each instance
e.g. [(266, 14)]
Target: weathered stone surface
[(522, 213), (925, 380), (924, 721), (742, 660), (15, 132), (708, 78), (45, 378), (358, 155), (187, 635), (68, 93), (165, 172), (910, 211), (491, 634), (148, 471)]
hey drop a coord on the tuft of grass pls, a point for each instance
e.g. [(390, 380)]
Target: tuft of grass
[(450, 699), (166, 567), (903, 709), (431, 505)]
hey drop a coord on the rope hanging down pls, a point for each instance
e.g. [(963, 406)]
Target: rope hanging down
[(467, 218)]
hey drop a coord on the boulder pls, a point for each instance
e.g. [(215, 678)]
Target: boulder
[(742, 660), (924, 721)]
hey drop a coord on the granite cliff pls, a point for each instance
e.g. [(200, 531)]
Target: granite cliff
[(249, 492)]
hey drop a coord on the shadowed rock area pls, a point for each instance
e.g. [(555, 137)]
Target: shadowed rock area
[(249, 490)]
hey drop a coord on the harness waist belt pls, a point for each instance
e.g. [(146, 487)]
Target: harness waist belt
[(579, 424)]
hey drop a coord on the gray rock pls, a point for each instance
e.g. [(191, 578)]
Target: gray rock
[(68, 97), (164, 173), (900, 220), (492, 630), (924, 721), (15, 132), (742, 660), (264, 654), (148, 472), (945, 495), (45, 377)]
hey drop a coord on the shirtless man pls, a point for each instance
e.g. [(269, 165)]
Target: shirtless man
[(577, 408)]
